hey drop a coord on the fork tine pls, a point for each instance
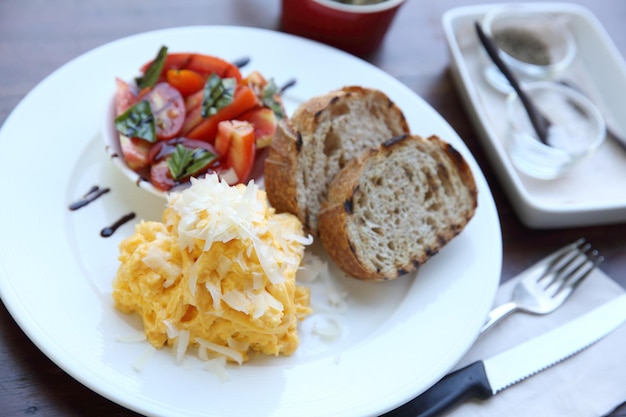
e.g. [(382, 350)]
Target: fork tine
[(563, 259), (575, 276), (565, 269)]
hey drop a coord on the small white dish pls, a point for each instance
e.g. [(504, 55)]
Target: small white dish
[(591, 193), (531, 43), (113, 148), (577, 130)]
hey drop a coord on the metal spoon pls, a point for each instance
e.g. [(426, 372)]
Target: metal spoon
[(540, 122)]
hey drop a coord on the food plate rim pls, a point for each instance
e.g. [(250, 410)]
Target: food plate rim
[(124, 391)]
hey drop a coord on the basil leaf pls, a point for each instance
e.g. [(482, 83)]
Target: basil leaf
[(153, 72), (218, 93), (268, 98), (185, 161), (137, 122)]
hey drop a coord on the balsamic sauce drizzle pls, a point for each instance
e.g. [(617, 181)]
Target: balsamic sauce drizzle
[(94, 193), (91, 195), (109, 230)]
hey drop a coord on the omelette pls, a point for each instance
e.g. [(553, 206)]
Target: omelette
[(218, 273)]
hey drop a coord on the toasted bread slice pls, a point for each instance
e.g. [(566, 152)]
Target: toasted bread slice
[(391, 209), (322, 135)]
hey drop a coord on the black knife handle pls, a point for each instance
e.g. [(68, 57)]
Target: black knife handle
[(452, 389)]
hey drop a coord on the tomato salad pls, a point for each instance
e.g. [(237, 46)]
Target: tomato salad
[(188, 114)]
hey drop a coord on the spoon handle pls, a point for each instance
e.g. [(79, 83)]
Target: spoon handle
[(539, 121)]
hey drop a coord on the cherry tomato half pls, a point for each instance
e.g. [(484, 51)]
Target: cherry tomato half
[(168, 108), (203, 64), (186, 81), (160, 174)]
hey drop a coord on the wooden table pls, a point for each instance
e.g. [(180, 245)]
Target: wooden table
[(36, 37)]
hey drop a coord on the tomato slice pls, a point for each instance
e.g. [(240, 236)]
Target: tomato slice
[(125, 96), (186, 81), (203, 64), (196, 127), (160, 176), (168, 108), (194, 100), (135, 152), (210, 64), (235, 139), (264, 121)]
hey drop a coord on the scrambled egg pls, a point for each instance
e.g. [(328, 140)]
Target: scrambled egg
[(217, 273)]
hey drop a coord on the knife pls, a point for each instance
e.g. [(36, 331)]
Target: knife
[(485, 378)]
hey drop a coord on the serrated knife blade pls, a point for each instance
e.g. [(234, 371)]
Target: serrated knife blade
[(485, 378)]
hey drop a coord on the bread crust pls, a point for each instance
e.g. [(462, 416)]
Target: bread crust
[(281, 171), (305, 118), (286, 174), (334, 216), (337, 212)]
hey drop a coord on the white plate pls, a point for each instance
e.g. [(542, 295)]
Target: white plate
[(56, 270), (593, 193)]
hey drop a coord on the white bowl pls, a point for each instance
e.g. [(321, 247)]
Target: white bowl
[(113, 148), (534, 44), (578, 130)]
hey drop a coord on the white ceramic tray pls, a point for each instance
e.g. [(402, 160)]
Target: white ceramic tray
[(594, 192)]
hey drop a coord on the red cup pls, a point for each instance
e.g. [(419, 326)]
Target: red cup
[(358, 29)]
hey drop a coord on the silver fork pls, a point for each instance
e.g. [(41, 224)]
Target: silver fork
[(543, 287)]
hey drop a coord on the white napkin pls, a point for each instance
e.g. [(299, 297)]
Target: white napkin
[(591, 383)]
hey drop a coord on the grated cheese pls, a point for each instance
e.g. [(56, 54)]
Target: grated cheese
[(222, 350), (142, 361), (180, 345), (158, 260), (213, 211), (217, 367), (135, 337), (328, 328), (217, 274)]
